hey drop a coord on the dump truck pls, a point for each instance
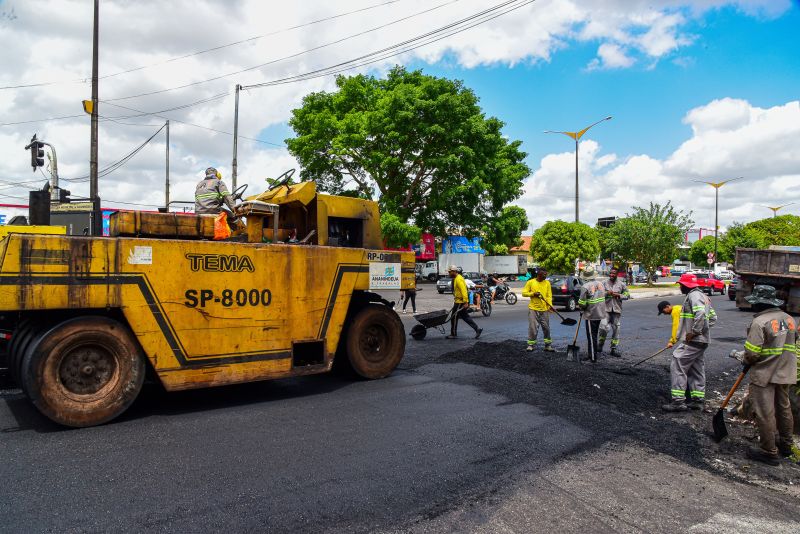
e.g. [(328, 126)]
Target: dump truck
[(291, 292), (776, 266)]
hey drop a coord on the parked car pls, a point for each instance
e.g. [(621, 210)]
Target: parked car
[(725, 274), (566, 290), (709, 283), (641, 277), (445, 284), (732, 287)]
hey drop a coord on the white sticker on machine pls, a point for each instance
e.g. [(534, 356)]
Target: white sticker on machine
[(140, 256), (384, 275)]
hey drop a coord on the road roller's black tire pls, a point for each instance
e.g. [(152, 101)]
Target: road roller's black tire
[(15, 355), (84, 371), (376, 341), (418, 332)]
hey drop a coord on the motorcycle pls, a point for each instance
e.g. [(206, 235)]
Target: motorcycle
[(503, 292)]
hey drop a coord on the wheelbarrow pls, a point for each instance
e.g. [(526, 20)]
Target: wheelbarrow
[(435, 319)]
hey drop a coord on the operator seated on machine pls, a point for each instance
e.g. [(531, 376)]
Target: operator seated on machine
[(211, 193)]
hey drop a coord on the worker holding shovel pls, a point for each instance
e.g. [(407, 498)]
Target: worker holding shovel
[(541, 294), (770, 351)]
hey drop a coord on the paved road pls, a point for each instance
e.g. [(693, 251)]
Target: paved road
[(464, 436)]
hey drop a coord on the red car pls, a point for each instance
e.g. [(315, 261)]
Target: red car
[(710, 284)]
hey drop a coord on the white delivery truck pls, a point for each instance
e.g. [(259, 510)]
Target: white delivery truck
[(427, 270), (470, 262), (506, 265)]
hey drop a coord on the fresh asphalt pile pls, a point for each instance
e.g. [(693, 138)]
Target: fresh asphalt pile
[(618, 405)]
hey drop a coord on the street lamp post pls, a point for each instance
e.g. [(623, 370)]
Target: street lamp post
[(776, 208), (577, 137), (716, 186)]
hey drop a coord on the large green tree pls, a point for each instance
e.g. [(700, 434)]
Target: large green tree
[(558, 244), (419, 144), (650, 236), (503, 232)]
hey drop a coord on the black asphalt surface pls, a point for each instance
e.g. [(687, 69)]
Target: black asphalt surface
[(465, 436)]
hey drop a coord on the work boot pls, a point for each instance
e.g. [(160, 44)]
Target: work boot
[(695, 404), (548, 348), (530, 348), (478, 333), (675, 406), (760, 455), (615, 352)]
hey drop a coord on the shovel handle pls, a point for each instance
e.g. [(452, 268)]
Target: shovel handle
[(577, 329), (735, 387), (650, 357)]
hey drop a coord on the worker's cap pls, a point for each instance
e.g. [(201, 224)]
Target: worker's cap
[(452, 269), (688, 280), (663, 306), (211, 172), (589, 274), (764, 294)]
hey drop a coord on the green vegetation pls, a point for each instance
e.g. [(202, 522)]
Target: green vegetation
[(783, 230), (419, 144), (503, 232), (698, 253), (397, 233), (558, 244), (649, 236)]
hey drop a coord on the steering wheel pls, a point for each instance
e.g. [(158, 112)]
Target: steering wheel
[(283, 179), (239, 191)]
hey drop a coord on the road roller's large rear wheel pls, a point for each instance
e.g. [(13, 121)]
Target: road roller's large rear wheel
[(375, 341), (84, 371)]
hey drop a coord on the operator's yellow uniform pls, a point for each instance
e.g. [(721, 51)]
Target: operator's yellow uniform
[(459, 311), (676, 322), (539, 311)]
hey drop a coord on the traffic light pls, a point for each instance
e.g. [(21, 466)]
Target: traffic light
[(37, 153), (63, 196)]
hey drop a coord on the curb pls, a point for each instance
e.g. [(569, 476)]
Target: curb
[(657, 293)]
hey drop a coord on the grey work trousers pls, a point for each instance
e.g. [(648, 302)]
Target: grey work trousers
[(535, 320), (772, 410), (611, 322), (688, 371)]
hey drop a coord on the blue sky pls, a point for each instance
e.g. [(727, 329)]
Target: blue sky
[(734, 55)]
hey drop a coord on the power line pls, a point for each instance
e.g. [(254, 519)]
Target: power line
[(116, 165), (205, 51), (291, 56)]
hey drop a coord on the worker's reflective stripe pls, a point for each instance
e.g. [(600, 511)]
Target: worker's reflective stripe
[(678, 393), (581, 302), (752, 348), (698, 308), (531, 342), (208, 195), (614, 342), (547, 341), (224, 194), (597, 300), (697, 394), (687, 316)]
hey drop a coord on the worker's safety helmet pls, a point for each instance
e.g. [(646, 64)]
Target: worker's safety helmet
[(764, 294), (688, 280), (211, 172), (459, 270)]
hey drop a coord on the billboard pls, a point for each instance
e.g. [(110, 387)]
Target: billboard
[(457, 244), (425, 250)]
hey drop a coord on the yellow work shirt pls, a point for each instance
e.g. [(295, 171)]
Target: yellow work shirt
[(543, 287), (460, 294), (676, 322)]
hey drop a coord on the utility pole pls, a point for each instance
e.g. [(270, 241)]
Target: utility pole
[(577, 137), (716, 186), (94, 219), (166, 187), (235, 163)]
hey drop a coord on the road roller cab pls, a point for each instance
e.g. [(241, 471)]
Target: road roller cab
[(286, 295)]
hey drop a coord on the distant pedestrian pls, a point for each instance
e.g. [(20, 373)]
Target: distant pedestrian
[(460, 308), (592, 301), (616, 290), (770, 350), (541, 295), (687, 369), (411, 294)]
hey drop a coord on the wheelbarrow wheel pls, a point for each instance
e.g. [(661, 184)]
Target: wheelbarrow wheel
[(418, 332)]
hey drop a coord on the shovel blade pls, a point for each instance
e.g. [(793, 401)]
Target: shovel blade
[(718, 423), (569, 322), (572, 353)]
